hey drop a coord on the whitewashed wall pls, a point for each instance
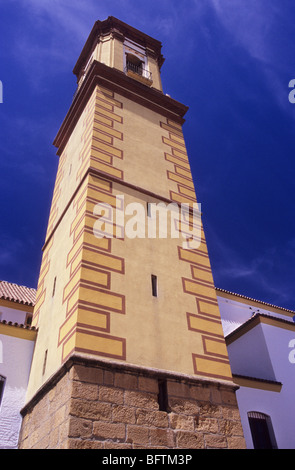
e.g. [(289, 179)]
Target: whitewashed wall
[(15, 362), (11, 314), (265, 352)]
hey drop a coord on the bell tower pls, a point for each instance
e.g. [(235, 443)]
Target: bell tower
[(130, 349)]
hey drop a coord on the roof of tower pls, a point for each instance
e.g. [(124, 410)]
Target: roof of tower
[(21, 294), (119, 28)]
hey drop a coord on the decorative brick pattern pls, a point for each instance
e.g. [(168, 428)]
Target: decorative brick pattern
[(212, 361), (99, 406), (88, 295), (41, 288)]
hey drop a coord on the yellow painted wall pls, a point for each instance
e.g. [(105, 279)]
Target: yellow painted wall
[(103, 304)]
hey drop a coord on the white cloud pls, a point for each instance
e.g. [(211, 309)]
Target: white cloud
[(65, 16), (52, 35), (250, 23), (259, 27), (271, 271)]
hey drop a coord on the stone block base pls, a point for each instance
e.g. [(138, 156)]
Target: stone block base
[(100, 405)]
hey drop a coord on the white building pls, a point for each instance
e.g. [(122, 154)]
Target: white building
[(261, 345), (17, 339)]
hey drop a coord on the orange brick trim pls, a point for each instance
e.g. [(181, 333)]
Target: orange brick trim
[(41, 289), (88, 295), (206, 321), (182, 186), (99, 135), (202, 366), (101, 341)]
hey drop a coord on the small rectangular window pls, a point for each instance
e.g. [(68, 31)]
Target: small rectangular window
[(44, 362), (154, 285), (28, 320), (163, 396), (148, 209), (54, 286)]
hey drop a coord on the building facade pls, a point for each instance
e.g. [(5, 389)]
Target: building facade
[(130, 349), (17, 340), (260, 339)]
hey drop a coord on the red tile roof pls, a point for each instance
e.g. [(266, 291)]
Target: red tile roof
[(14, 292)]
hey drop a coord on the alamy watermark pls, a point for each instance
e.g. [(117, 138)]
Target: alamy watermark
[(291, 355), (151, 220), (292, 92)]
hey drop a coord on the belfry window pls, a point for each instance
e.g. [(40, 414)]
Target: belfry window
[(136, 67), (134, 64)]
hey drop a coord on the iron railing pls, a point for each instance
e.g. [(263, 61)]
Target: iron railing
[(138, 69)]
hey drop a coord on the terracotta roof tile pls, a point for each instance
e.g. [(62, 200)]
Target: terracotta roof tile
[(18, 325), (14, 292)]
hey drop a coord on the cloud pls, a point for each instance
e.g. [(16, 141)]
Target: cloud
[(52, 35), (265, 275), (10, 251), (65, 16), (250, 23), (259, 27), (63, 25)]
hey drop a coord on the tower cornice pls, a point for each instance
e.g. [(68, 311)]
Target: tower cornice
[(117, 81)]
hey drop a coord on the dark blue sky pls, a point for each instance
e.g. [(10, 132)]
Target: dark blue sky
[(229, 61)]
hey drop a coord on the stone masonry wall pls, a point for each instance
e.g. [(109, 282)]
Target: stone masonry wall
[(107, 407)]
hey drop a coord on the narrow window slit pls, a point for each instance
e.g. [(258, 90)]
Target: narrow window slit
[(154, 285), (54, 285), (163, 396), (44, 362)]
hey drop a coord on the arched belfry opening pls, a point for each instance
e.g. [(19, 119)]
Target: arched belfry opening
[(134, 64)]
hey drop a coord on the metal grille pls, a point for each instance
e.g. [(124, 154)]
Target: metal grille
[(138, 69), (257, 415)]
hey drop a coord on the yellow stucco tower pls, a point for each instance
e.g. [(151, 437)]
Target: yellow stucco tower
[(130, 349)]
